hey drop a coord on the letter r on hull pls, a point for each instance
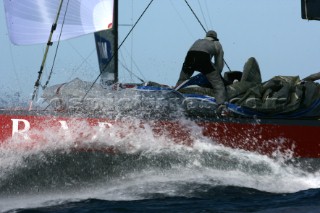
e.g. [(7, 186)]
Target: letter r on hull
[(17, 131)]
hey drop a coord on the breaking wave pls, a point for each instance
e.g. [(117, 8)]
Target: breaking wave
[(123, 163)]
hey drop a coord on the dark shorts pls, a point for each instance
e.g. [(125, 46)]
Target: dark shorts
[(198, 61)]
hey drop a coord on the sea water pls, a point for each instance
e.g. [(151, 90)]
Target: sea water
[(148, 173)]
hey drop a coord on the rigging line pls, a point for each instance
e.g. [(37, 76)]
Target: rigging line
[(182, 20), (84, 60), (14, 68), (132, 10), (134, 63), (137, 68), (204, 18), (227, 65), (55, 55), (49, 43), (126, 68), (117, 50), (207, 8), (195, 15), (124, 63), (204, 29)]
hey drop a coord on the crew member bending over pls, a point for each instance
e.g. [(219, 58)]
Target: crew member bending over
[(199, 59)]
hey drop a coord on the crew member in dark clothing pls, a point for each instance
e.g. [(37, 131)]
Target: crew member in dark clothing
[(199, 59)]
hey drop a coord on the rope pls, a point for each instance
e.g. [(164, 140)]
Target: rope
[(207, 9), (117, 50), (55, 55), (195, 15), (182, 19), (133, 63), (126, 68), (14, 68), (84, 61), (203, 16), (227, 65), (49, 43), (203, 28)]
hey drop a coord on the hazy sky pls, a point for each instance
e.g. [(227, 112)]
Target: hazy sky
[(272, 31)]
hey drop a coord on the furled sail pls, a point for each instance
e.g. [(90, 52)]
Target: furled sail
[(30, 21)]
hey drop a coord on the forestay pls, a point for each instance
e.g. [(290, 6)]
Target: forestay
[(30, 21)]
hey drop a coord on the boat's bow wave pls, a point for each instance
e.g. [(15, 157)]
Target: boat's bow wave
[(130, 159), (142, 165)]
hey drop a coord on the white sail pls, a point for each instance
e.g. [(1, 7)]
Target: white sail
[(30, 21)]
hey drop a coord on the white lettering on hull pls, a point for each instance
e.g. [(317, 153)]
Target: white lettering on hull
[(102, 127), (22, 132), (21, 127), (64, 126)]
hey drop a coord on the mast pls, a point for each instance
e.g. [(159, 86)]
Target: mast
[(116, 33), (107, 50)]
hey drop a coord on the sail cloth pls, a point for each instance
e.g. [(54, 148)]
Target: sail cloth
[(310, 9), (106, 51), (30, 21)]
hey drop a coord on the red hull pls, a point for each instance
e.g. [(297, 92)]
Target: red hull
[(266, 137)]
